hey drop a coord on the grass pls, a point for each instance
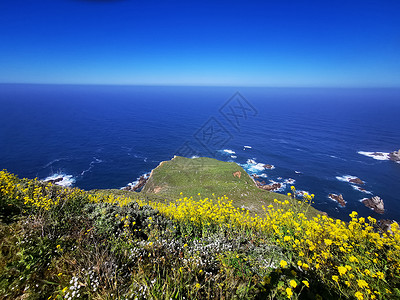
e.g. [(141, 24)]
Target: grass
[(208, 177), (63, 243)]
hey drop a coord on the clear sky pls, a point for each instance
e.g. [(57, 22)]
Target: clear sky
[(239, 43)]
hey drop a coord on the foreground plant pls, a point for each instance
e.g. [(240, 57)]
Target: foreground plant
[(61, 243)]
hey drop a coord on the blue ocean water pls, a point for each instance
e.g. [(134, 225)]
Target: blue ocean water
[(107, 136)]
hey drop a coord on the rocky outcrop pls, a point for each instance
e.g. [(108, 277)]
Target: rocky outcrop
[(356, 180), (377, 154), (385, 225), (139, 185), (267, 166), (55, 180), (271, 187), (268, 187), (395, 155), (260, 183), (375, 203), (338, 198)]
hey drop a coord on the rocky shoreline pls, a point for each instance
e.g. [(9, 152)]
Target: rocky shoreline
[(139, 185), (338, 198), (375, 203), (356, 181), (268, 187), (395, 156)]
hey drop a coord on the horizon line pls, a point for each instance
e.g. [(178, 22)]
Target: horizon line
[(201, 85)]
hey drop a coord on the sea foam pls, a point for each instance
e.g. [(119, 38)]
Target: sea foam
[(229, 151), (66, 180), (375, 155), (345, 178)]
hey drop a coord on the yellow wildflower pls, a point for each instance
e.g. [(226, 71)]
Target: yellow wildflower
[(293, 283), (359, 296), (283, 263), (362, 283), (289, 292), (342, 270)]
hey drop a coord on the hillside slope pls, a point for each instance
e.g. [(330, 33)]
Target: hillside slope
[(208, 176)]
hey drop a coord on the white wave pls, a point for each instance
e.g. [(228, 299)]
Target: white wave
[(345, 178), (91, 165), (233, 156), (361, 200), (246, 147), (289, 181), (281, 189), (263, 175), (133, 183), (195, 156), (375, 155), (229, 151), (140, 157), (52, 162), (361, 189), (257, 167), (64, 180), (297, 172), (301, 193), (253, 167)]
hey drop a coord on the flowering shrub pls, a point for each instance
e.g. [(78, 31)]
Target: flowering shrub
[(67, 243)]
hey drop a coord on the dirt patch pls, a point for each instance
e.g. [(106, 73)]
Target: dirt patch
[(157, 189), (237, 174)]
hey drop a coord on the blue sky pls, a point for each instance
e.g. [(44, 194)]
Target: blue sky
[(235, 43)]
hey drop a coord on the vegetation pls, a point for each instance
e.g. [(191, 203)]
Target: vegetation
[(65, 243), (209, 176)]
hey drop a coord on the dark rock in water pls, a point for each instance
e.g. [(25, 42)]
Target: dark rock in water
[(141, 182), (271, 187), (395, 155), (290, 181), (377, 154), (255, 176), (338, 198), (267, 166), (260, 183), (375, 203), (384, 225), (58, 179), (356, 181)]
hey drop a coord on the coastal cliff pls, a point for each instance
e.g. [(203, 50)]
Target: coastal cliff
[(208, 176)]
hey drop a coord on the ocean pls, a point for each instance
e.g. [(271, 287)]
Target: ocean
[(108, 136)]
